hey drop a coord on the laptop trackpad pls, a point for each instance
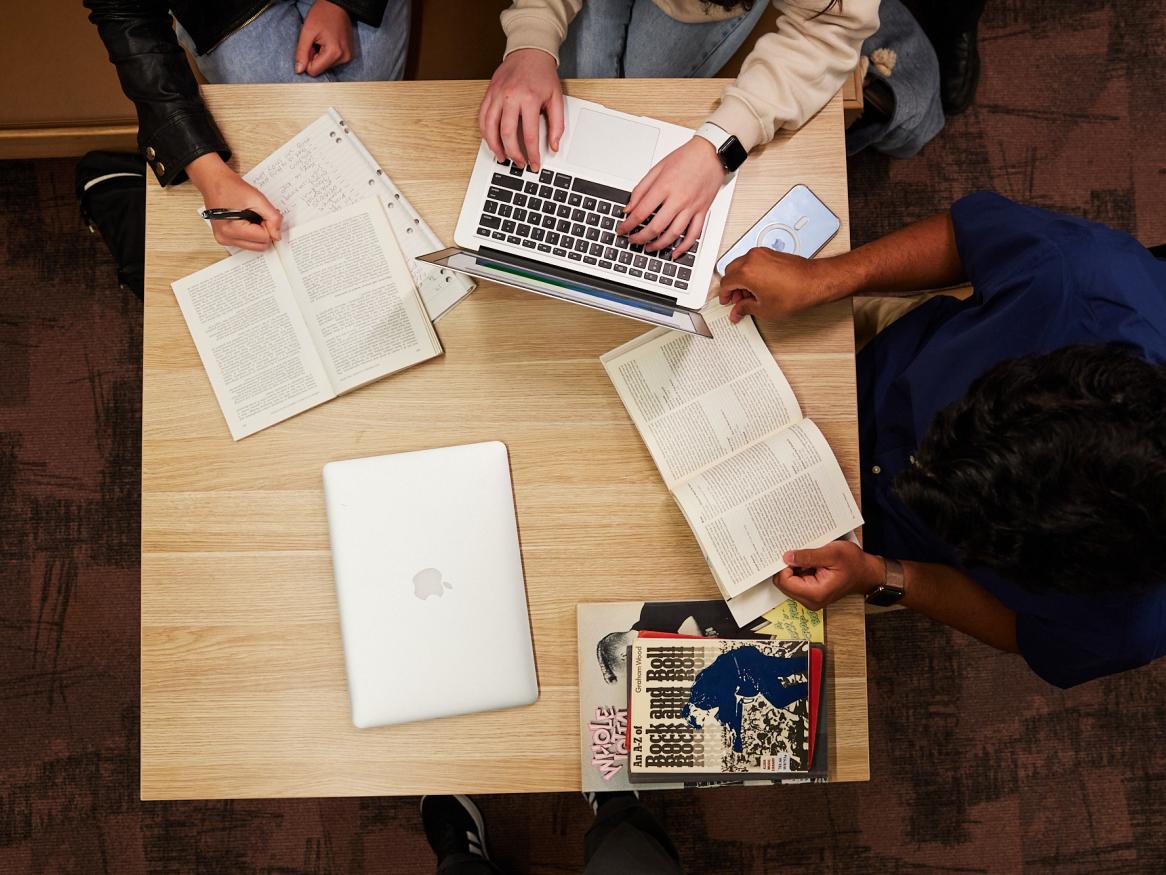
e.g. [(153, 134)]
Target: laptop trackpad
[(616, 146)]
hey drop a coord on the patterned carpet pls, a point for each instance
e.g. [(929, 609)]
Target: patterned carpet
[(977, 766)]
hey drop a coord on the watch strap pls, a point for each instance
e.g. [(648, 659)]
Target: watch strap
[(893, 587), (729, 150)]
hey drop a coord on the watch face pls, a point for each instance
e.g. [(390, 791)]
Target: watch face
[(884, 596), (732, 154)]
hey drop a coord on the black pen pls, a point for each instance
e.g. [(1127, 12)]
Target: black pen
[(218, 215)]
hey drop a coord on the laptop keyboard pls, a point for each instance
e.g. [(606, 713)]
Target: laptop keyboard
[(575, 218)]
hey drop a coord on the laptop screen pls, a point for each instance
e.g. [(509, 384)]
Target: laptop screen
[(545, 279)]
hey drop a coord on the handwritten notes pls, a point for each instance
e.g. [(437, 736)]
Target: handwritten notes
[(324, 169)]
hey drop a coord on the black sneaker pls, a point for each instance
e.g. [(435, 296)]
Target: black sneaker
[(959, 72), (453, 825)]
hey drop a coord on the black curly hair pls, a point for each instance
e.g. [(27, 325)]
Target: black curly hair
[(1051, 471)]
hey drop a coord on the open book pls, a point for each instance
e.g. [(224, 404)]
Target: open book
[(325, 168), (751, 476), (328, 308)]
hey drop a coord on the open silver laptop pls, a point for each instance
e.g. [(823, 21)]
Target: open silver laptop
[(429, 580), (553, 232)]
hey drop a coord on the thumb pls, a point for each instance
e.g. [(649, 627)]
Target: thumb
[(817, 558), (555, 121), (304, 48)]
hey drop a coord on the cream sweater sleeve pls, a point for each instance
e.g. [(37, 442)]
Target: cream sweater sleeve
[(538, 24), (795, 70)]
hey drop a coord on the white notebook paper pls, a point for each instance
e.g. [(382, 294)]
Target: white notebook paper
[(325, 168)]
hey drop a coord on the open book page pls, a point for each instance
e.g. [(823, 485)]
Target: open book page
[(325, 168), (253, 342), (696, 400), (357, 296), (786, 492)]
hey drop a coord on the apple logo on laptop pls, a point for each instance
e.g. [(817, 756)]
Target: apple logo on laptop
[(427, 582)]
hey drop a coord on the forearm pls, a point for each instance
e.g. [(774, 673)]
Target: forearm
[(174, 126), (794, 70), (915, 258), (951, 597)]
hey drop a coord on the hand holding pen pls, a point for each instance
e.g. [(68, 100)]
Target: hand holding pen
[(240, 215)]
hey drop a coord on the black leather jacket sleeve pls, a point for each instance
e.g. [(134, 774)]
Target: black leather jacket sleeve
[(174, 125), (369, 12)]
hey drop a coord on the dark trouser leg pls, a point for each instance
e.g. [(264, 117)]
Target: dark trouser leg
[(953, 18), (626, 838), (467, 864)]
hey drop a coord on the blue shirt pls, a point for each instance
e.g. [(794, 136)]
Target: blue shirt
[(1041, 281)]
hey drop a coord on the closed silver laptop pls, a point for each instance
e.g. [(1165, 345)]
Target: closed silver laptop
[(429, 582)]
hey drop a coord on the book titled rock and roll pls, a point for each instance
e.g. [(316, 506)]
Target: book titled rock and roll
[(706, 709)]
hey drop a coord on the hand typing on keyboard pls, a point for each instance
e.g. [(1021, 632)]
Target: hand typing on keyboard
[(573, 218), (525, 84), (674, 198)]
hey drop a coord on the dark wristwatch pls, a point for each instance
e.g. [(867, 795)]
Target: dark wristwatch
[(891, 590), (729, 150)]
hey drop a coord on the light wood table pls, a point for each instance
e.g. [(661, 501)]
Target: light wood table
[(243, 688)]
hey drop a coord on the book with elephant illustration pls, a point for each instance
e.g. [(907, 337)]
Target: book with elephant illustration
[(706, 709), (751, 475)]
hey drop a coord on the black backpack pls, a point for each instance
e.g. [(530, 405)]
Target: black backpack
[(111, 187)]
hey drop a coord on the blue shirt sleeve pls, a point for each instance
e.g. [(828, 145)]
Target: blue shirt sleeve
[(1000, 242), (1114, 637)]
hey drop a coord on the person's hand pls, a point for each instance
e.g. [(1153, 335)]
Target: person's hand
[(222, 187), (774, 285), (679, 190), (524, 85), (325, 39), (820, 577)]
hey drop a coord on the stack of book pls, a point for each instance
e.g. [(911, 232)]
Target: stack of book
[(675, 694)]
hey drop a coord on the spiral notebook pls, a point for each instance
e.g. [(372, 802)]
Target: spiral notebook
[(325, 168)]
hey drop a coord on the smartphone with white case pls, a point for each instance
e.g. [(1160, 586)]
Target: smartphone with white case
[(799, 223)]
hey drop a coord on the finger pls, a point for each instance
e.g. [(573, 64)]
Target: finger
[(304, 48), (638, 215), (324, 59), (530, 123), (636, 202), (490, 125), (272, 218), (800, 587), (694, 229), (744, 307), (670, 234), (665, 213), (735, 279), (509, 130), (555, 122), (248, 244), (240, 232)]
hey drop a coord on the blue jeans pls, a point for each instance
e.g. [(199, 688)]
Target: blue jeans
[(612, 39), (264, 49)]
